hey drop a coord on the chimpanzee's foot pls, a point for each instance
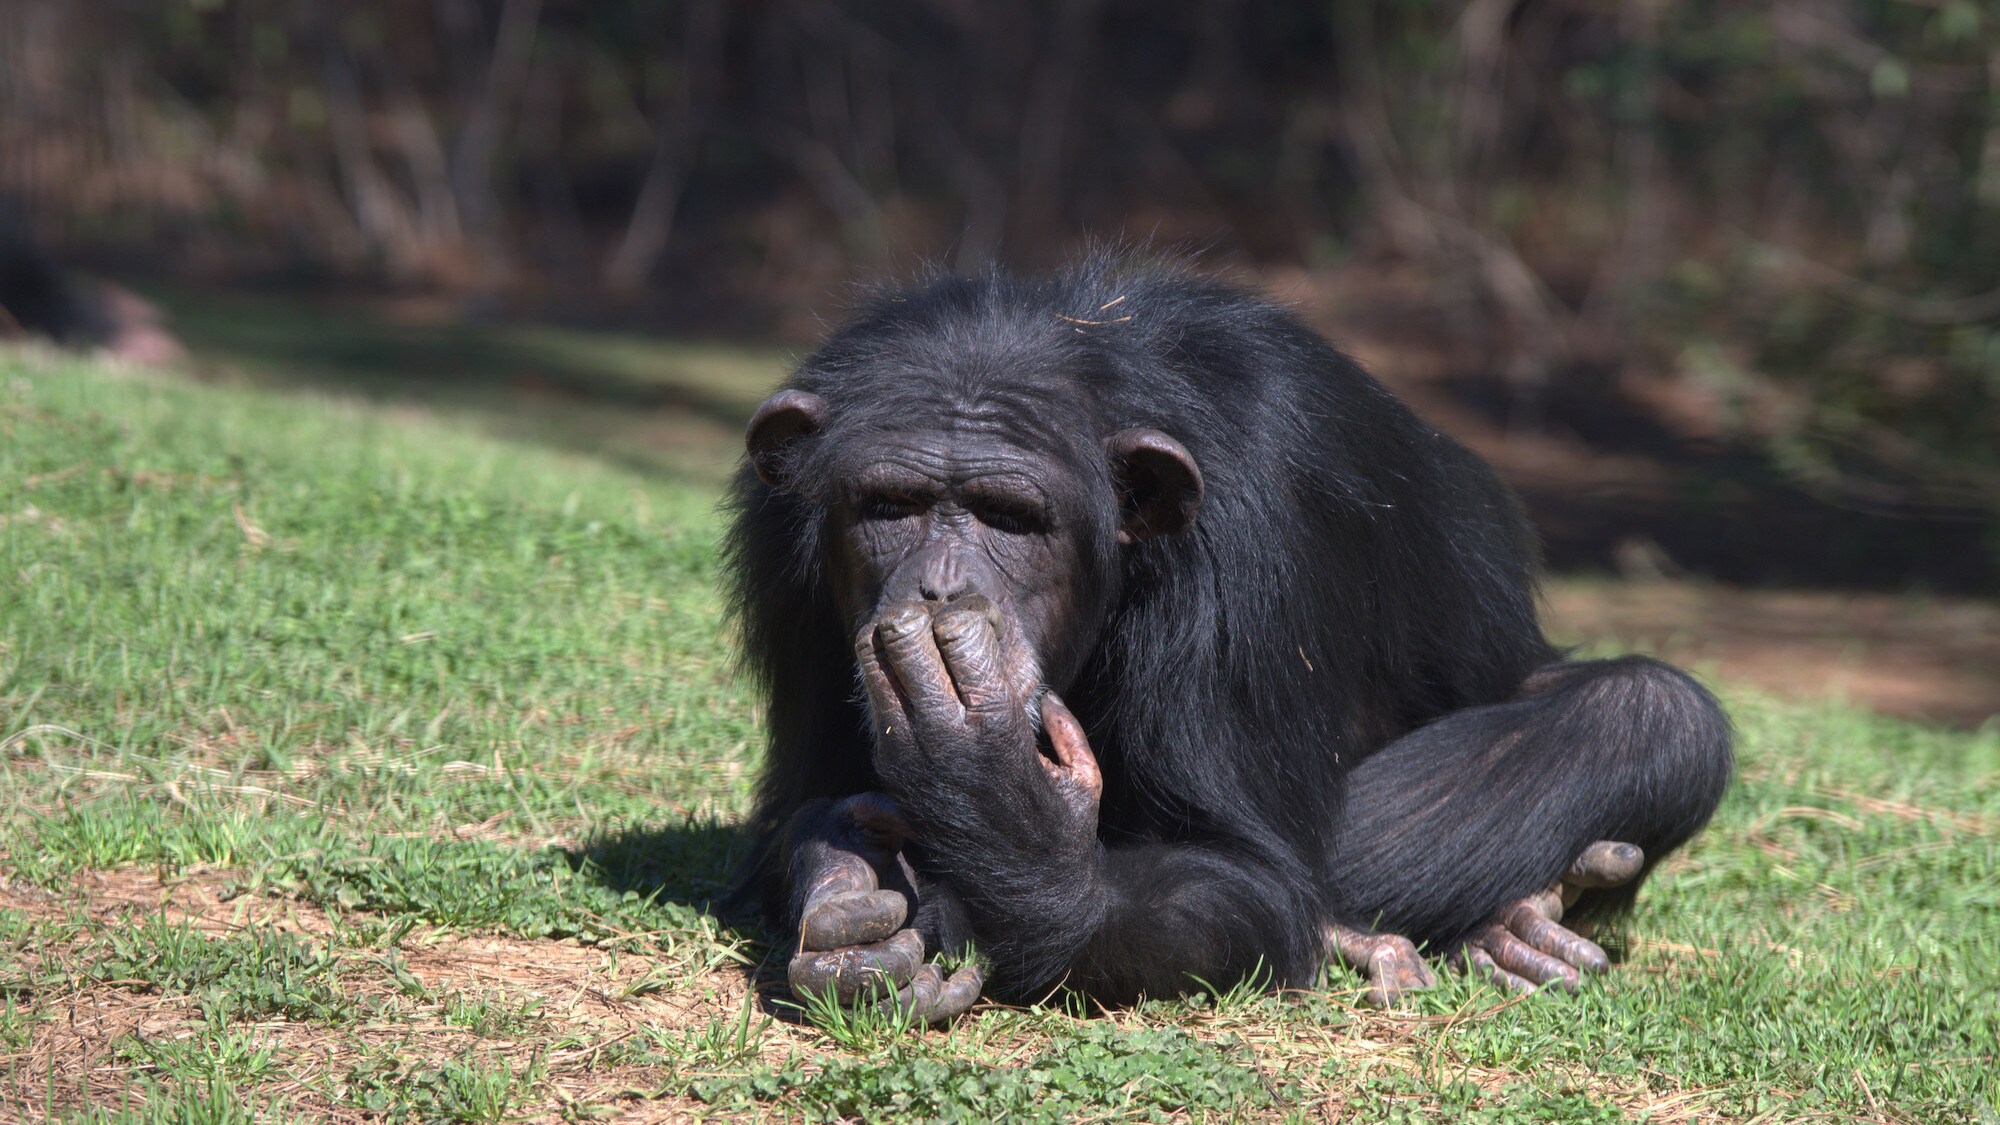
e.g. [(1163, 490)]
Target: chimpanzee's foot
[(1389, 961), (1522, 949), (1526, 947)]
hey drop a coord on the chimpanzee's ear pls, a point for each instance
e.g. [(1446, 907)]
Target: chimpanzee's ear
[(1159, 486), (784, 418)]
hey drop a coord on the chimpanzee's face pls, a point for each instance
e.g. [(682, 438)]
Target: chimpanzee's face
[(934, 514), (933, 519)]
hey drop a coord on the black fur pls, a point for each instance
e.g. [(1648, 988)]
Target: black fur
[(1310, 705)]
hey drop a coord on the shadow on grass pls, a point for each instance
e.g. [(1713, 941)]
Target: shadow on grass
[(695, 865), (636, 401), (1715, 508), (671, 407)]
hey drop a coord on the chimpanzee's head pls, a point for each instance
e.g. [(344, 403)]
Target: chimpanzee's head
[(932, 489)]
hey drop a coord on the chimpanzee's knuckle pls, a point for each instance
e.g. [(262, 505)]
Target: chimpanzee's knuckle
[(1606, 863), (927, 693), (963, 630), (856, 972), (902, 620), (840, 872), (940, 728), (878, 820), (812, 974), (984, 705)]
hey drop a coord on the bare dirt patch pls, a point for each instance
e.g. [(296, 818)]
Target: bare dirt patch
[(572, 983), (1931, 659), (571, 1007), (71, 1061)]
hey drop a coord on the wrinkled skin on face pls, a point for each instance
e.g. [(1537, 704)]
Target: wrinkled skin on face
[(927, 527)]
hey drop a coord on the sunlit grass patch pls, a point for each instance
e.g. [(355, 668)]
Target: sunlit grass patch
[(360, 765)]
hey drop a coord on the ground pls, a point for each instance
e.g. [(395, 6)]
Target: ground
[(371, 755)]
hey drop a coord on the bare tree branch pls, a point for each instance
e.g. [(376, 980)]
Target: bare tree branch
[(472, 157), (676, 135)]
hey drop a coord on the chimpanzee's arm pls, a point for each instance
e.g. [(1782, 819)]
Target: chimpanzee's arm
[(1176, 915), (1014, 832), (1113, 922)]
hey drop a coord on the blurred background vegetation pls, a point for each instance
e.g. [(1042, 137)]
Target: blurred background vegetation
[(1716, 283)]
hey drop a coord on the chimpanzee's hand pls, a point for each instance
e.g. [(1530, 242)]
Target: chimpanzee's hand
[(857, 893), (1525, 947), (950, 700)]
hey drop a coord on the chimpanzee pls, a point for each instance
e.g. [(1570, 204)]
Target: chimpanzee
[(1118, 628), (37, 296)]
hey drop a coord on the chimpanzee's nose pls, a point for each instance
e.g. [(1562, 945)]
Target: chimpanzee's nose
[(943, 580)]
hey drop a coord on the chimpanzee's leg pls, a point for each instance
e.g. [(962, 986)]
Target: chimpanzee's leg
[(1456, 821)]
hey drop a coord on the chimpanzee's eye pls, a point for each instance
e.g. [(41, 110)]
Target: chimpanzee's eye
[(1010, 519), (887, 507)]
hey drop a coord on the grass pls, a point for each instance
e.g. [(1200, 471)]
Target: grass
[(362, 762)]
